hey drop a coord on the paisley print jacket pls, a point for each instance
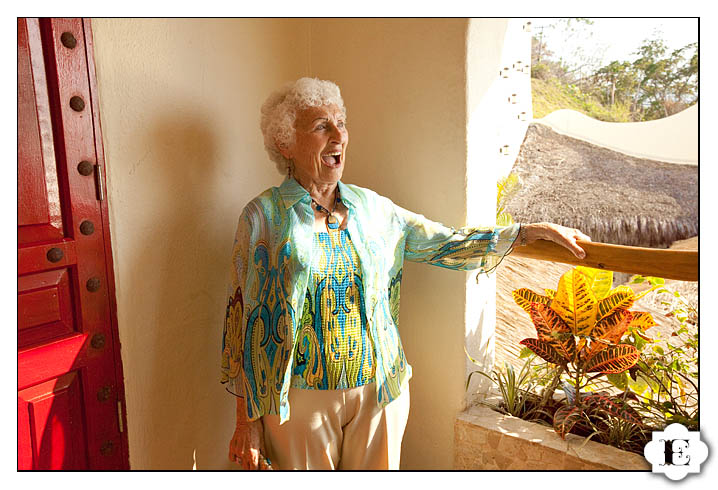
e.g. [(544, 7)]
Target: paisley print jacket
[(271, 268)]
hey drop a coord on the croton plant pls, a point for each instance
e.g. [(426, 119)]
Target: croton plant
[(580, 326)]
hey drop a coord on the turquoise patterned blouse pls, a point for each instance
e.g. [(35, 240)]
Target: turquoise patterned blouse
[(334, 349), (271, 270)]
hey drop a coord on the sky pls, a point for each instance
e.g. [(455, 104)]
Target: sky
[(612, 39)]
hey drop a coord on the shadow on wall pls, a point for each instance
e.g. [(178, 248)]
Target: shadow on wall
[(172, 284)]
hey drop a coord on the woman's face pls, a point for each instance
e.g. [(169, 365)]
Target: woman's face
[(320, 145)]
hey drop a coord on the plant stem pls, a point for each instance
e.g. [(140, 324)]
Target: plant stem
[(551, 387), (687, 379), (578, 387)]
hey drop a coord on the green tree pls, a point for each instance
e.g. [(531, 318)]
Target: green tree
[(658, 83), (615, 83), (667, 82)]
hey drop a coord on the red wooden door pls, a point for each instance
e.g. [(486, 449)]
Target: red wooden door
[(70, 390)]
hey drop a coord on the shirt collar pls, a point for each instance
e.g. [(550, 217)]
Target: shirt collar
[(292, 192)]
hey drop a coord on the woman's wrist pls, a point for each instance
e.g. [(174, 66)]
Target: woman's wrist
[(241, 413), (530, 232)]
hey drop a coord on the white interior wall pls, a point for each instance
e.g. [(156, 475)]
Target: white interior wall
[(497, 50)]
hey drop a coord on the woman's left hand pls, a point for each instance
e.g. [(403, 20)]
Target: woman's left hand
[(566, 237)]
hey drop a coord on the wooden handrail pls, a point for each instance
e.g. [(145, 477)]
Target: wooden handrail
[(668, 264)]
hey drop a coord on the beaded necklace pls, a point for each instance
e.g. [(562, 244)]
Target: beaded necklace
[(331, 220)]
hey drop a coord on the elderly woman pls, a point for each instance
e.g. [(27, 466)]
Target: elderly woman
[(311, 347)]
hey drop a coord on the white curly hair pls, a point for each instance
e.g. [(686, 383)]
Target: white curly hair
[(279, 113)]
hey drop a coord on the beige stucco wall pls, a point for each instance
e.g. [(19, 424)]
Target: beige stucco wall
[(672, 139), (403, 81), (179, 101), (180, 105)]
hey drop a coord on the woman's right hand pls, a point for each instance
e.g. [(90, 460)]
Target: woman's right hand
[(248, 440), (246, 445)]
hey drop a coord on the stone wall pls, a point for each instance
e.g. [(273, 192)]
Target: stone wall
[(488, 440)]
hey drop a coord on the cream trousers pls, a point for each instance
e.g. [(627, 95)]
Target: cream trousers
[(337, 429)]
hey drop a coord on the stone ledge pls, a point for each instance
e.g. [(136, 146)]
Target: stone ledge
[(488, 440)]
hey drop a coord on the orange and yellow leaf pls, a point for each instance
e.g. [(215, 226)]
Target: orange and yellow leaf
[(620, 298), (642, 320), (545, 351), (613, 326), (551, 329), (575, 303), (610, 331), (524, 297), (600, 281), (614, 359)]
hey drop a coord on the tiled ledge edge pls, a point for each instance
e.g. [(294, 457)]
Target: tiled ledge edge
[(488, 440)]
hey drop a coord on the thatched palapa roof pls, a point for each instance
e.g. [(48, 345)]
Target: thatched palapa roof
[(610, 196)]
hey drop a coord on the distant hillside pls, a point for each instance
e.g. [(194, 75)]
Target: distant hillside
[(551, 95)]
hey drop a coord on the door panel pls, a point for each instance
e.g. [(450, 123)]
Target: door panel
[(39, 216), (53, 415), (69, 369), (44, 307)]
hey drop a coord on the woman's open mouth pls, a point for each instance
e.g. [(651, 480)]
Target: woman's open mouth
[(332, 159)]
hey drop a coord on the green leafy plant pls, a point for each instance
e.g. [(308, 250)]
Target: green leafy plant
[(617, 432), (516, 389), (615, 396), (665, 377), (580, 327), (506, 187)]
